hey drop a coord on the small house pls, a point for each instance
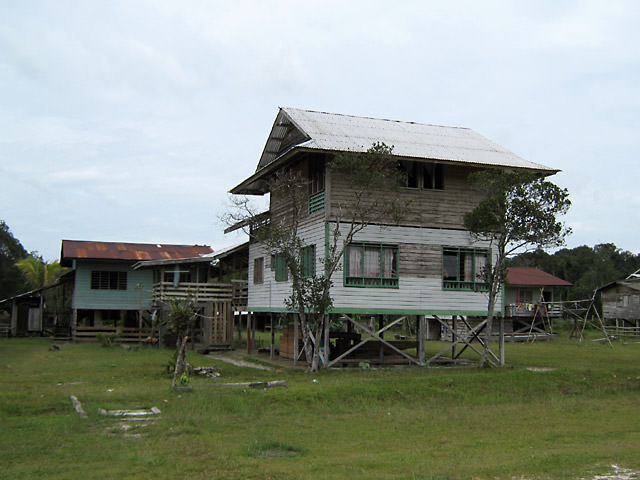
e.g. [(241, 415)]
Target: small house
[(109, 296), (621, 303), (529, 300)]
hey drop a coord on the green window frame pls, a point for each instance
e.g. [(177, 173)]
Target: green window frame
[(279, 266), (462, 268), (308, 261), (371, 265)]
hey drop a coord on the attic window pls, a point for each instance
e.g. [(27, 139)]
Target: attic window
[(316, 185), (429, 176), (432, 176), (316, 176)]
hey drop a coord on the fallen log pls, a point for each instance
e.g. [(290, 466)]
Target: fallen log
[(272, 384)]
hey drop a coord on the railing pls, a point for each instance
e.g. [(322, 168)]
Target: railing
[(240, 294), (120, 334), (200, 292), (529, 309), (622, 331)]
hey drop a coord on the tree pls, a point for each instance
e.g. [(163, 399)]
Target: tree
[(373, 177), (181, 319), (520, 210), (38, 272), (11, 250)]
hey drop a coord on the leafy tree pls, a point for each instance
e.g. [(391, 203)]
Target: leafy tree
[(11, 250), (519, 210), (38, 272), (373, 177)]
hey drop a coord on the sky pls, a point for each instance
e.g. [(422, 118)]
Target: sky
[(130, 120)]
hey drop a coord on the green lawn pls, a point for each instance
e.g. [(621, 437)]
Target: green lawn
[(413, 423)]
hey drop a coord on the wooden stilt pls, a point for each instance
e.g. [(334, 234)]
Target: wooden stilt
[(327, 344), (271, 349), (249, 332), (296, 346), (380, 327), (454, 339), (421, 334), (501, 341), (253, 333)]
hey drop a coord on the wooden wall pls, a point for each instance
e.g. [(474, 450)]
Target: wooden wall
[(130, 299), (614, 304), (427, 208)]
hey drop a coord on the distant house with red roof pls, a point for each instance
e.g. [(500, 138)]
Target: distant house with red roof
[(107, 291), (527, 290)]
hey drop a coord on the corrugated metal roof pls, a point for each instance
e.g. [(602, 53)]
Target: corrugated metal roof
[(529, 276), (296, 128), (73, 249), (331, 131)]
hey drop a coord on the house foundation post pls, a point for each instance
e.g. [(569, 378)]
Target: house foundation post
[(249, 321), (295, 339), (421, 334), (74, 323), (501, 341), (271, 347), (380, 327), (327, 345), (454, 338)]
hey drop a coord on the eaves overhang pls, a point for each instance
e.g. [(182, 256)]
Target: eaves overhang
[(256, 184)]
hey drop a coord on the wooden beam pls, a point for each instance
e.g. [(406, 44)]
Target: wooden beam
[(375, 335)]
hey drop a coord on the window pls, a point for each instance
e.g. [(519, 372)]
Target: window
[(102, 280), (432, 176), (316, 176), (462, 268), (279, 266), (371, 265), (258, 270), (308, 261), (429, 176), (316, 185)]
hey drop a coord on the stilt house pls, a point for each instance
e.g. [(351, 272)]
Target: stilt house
[(424, 269), (109, 296), (621, 304)]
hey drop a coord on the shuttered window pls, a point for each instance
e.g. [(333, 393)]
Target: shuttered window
[(258, 270), (106, 280), (308, 261), (279, 266)]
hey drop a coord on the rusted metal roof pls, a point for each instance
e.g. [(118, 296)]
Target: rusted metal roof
[(529, 276), (298, 129), (79, 249)]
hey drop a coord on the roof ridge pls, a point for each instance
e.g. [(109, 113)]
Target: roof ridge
[(373, 118), (156, 244)]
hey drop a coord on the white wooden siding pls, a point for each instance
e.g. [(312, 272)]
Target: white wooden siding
[(424, 294), (271, 294)]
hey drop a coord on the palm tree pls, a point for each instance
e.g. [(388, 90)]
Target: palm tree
[(38, 272)]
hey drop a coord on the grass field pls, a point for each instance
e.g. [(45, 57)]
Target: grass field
[(411, 423)]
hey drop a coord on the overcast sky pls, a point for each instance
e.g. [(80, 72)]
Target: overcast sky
[(130, 120)]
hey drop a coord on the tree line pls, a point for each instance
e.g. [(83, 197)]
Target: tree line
[(21, 271), (586, 267)]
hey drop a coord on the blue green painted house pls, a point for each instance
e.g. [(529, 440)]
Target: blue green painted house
[(107, 291)]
